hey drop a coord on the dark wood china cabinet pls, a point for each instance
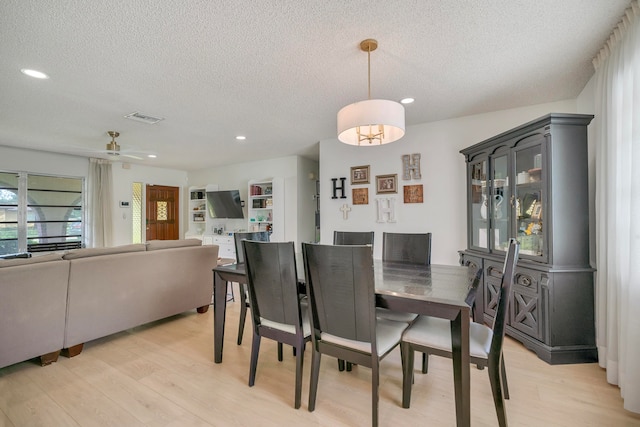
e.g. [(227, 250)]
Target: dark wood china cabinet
[(531, 183)]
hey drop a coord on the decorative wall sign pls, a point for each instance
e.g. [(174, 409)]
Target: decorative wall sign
[(386, 209), (360, 175), (337, 188), (413, 193), (411, 165), (345, 209), (386, 184), (360, 196)]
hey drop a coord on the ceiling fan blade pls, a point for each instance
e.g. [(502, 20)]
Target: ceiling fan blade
[(131, 156)]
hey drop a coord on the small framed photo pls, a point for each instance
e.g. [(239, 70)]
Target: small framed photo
[(360, 175), (360, 196), (386, 184), (413, 194), (536, 213)]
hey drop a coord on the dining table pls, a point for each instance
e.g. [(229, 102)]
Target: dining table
[(432, 290)]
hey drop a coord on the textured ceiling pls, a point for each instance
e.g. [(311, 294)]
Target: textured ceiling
[(276, 71)]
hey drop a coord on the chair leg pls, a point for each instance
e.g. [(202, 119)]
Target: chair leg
[(255, 348), (425, 363), (243, 314), (349, 366), (340, 365), (313, 383), (407, 354), (503, 371), (299, 362), (279, 352), (375, 380), (496, 390), (230, 287)]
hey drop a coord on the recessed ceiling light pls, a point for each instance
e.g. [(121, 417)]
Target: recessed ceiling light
[(152, 156), (241, 138), (34, 73), (406, 100)]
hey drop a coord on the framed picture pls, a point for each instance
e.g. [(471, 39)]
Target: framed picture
[(360, 196), (360, 175), (386, 184), (413, 193), (536, 212)]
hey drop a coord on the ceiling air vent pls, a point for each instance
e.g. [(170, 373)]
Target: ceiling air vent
[(143, 118)]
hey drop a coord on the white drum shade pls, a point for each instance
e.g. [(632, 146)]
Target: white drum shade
[(374, 112)]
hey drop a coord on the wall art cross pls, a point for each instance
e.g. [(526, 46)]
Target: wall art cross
[(345, 211)]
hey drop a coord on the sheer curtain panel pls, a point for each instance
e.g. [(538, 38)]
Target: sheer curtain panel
[(99, 200), (617, 122)]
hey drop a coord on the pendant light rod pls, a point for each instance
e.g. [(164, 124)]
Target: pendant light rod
[(369, 45)]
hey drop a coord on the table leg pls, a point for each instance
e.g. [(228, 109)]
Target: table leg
[(219, 312), (461, 367)]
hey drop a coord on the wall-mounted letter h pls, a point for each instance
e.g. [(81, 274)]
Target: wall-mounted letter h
[(336, 188)]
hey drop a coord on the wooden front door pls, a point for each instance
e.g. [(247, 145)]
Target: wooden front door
[(163, 213)]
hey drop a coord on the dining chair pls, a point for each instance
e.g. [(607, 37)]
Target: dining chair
[(341, 291), (433, 336), (409, 248), (352, 238), (406, 248), (275, 305), (260, 236)]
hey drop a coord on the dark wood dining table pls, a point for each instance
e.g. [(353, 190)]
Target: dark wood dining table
[(435, 290)]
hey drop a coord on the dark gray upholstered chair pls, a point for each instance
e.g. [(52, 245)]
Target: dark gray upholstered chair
[(275, 305), (259, 236), (341, 291), (433, 336), (352, 238)]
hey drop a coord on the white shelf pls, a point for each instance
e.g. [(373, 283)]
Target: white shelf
[(265, 207)]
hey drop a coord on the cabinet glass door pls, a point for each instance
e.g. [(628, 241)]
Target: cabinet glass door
[(479, 221), (498, 208), (529, 201)]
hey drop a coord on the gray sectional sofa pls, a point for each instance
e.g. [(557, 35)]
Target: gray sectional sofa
[(60, 301)]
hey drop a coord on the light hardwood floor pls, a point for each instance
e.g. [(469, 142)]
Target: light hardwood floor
[(162, 374)]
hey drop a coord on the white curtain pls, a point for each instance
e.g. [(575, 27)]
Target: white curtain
[(99, 203), (617, 126)]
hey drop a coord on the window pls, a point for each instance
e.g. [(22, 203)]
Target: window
[(40, 213)]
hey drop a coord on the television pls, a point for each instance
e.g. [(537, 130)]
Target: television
[(224, 204)]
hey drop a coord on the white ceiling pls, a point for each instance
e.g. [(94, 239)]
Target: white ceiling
[(276, 71)]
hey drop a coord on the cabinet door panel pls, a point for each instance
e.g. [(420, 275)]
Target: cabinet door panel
[(530, 200), (498, 207), (525, 306), (478, 194)]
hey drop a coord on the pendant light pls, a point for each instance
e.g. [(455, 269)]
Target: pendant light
[(374, 121)]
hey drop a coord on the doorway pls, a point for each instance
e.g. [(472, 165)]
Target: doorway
[(163, 213)]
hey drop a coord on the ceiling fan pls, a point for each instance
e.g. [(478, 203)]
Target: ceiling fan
[(113, 149)]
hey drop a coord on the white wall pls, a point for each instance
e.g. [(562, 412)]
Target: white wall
[(237, 176), (20, 160), (443, 168), (16, 159), (308, 174), (122, 180)]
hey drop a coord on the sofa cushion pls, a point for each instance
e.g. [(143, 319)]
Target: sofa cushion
[(32, 260), (90, 252), (153, 245)]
